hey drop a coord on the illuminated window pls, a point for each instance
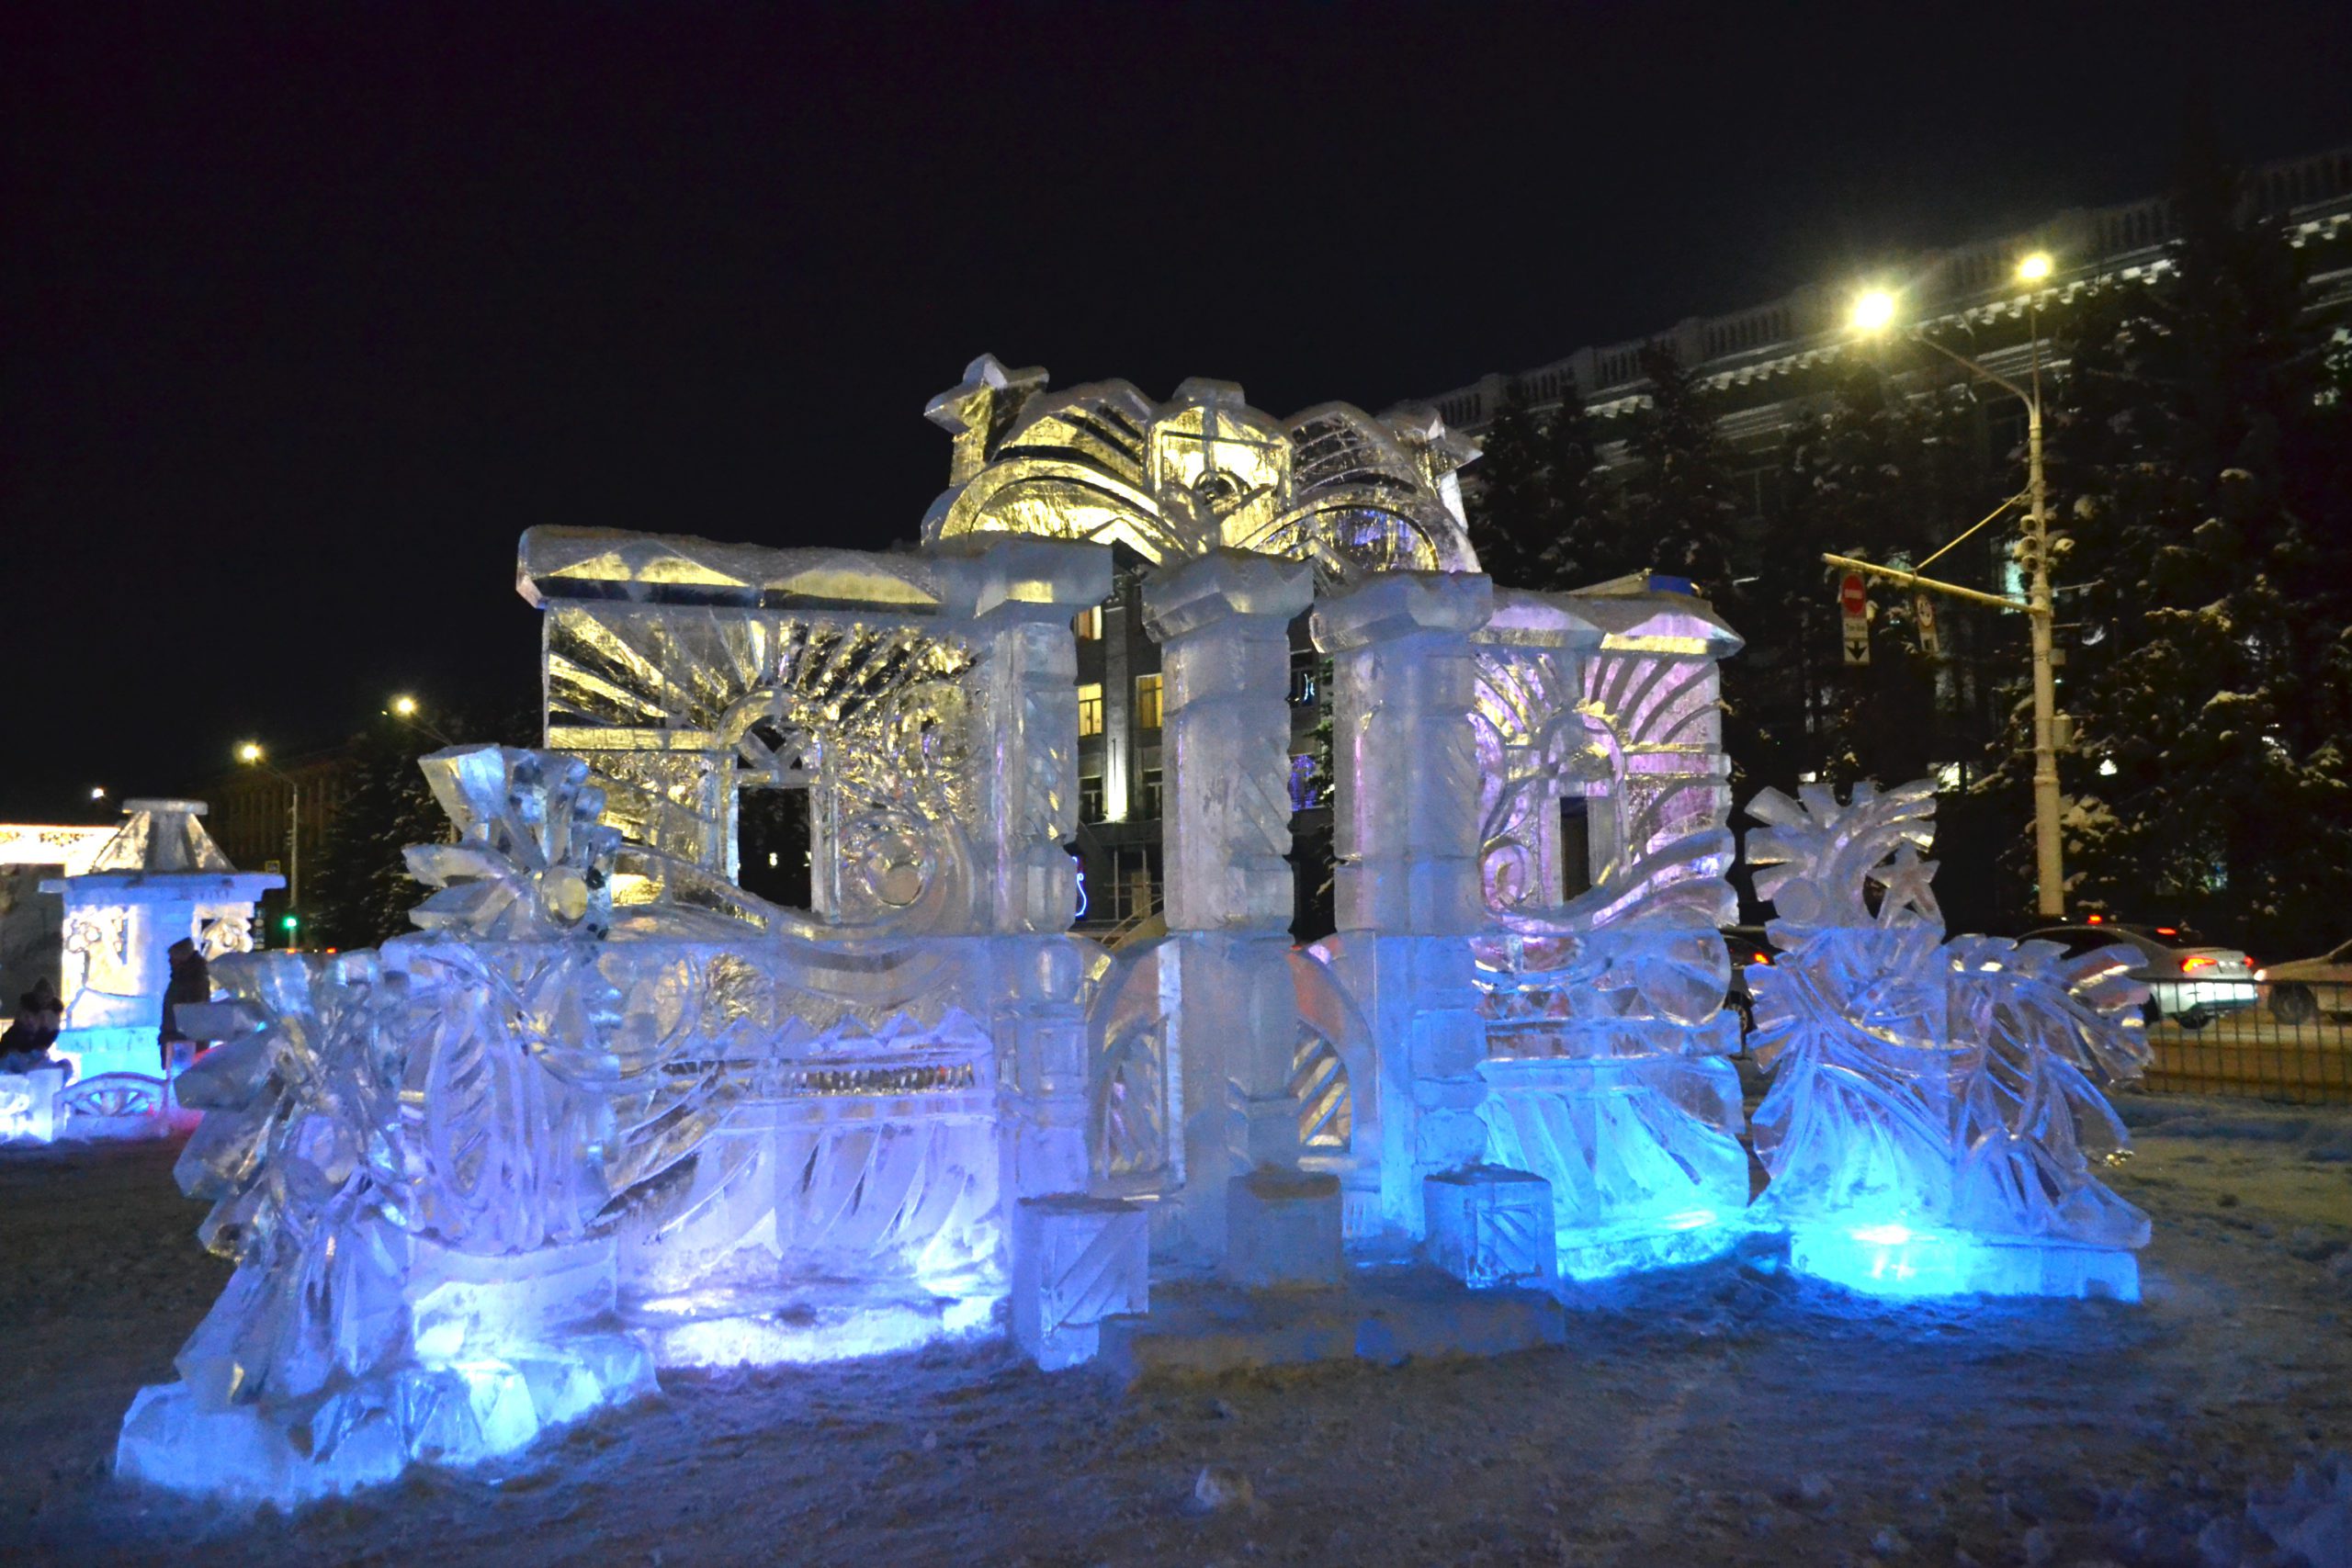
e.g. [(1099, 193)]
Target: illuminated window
[(1089, 624), (1146, 702), (1089, 708)]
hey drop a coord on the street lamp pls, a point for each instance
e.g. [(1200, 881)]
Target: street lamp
[(405, 708), (251, 754), (1873, 312)]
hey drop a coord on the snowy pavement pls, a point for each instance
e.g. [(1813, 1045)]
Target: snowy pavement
[(1724, 1414)]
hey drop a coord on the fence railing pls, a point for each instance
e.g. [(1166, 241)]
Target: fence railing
[(2293, 1043)]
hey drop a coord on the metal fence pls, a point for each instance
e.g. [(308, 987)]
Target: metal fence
[(2294, 1043)]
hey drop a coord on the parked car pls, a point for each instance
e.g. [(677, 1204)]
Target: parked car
[(2189, 980), (2301, 990)]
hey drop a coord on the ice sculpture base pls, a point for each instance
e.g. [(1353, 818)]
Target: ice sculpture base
[(1076, 1260), (832, 1322), (1205, 1328), (460, 1413), (1283, 1229), (1489, 1225), (1675, 1241), (1894, 1260), (29, 1105)]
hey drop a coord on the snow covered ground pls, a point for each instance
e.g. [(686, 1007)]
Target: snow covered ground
[(1725, 1413)]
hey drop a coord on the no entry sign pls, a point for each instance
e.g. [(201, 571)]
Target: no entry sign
[(1854, 605)]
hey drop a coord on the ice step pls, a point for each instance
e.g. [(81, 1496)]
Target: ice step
[(1202, 1328)]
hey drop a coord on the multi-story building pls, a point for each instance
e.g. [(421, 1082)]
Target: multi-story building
[(1772, 366), (1120, 789)]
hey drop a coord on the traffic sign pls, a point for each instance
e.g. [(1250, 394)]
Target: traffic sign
[(1854, 608)]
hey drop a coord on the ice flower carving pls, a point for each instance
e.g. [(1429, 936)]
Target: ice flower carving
[(1920, 1084), (531, 860), (291, 1153)]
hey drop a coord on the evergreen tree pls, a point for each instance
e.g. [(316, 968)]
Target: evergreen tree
[(1586, 541), (359, 894), (1875, 478), (2192, 458), (1679, 506), (1508, 505)]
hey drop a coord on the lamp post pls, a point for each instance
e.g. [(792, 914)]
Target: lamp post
[(251, 754), (1874, 313), (405, 708)]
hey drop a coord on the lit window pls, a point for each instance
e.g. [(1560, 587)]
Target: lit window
[(1089, 708), (1089, 624), (1146, 702)]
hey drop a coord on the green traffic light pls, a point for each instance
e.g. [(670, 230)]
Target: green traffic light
[(287, 922)]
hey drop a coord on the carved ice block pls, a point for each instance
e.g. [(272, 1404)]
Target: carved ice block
[(1283, 1229), (1490, 1226), (1076, 1260)]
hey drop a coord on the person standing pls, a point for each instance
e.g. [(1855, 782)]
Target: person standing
[(190, 982)]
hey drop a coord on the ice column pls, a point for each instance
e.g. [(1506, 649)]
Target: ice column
[(1021, 595), (1407, 837), (1076, 1259), (1222, 621)]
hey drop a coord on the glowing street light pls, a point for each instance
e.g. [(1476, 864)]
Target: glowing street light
[(405, 708), (2034, 268), (1874, 312), (251, 754), (97, 792)]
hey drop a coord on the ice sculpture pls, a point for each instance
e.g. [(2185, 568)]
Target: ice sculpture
[(1935, 1105), (1350, 494), (403, 1158), (608, 1111), (1603, 847), (156, 880)]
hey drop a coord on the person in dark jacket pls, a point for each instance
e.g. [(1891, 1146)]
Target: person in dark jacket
[(39, 1016), (190, 982)]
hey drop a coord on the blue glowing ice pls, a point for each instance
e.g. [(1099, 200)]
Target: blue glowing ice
[(1933, 1114)]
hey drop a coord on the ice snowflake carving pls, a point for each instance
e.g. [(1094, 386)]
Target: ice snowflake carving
[(1926, 1090), (531, 860)]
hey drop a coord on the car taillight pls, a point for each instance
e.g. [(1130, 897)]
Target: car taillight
[(2196, 960), (1762, 958)]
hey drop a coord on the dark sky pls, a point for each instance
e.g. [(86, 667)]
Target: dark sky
[(306, 312)]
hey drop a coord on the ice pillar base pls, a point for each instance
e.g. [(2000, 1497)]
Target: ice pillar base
[(1284, 1229)]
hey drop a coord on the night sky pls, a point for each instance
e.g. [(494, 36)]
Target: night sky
[(306, 312)]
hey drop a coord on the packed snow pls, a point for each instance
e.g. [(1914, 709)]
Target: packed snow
[(1727, 1412)]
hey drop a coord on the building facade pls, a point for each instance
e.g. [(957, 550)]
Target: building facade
[(1771, 365)]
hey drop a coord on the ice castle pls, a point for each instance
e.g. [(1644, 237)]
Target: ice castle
[(607, 1111)]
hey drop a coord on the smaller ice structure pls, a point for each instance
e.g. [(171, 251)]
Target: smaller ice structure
[(1935, 1105), (158, 879)]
